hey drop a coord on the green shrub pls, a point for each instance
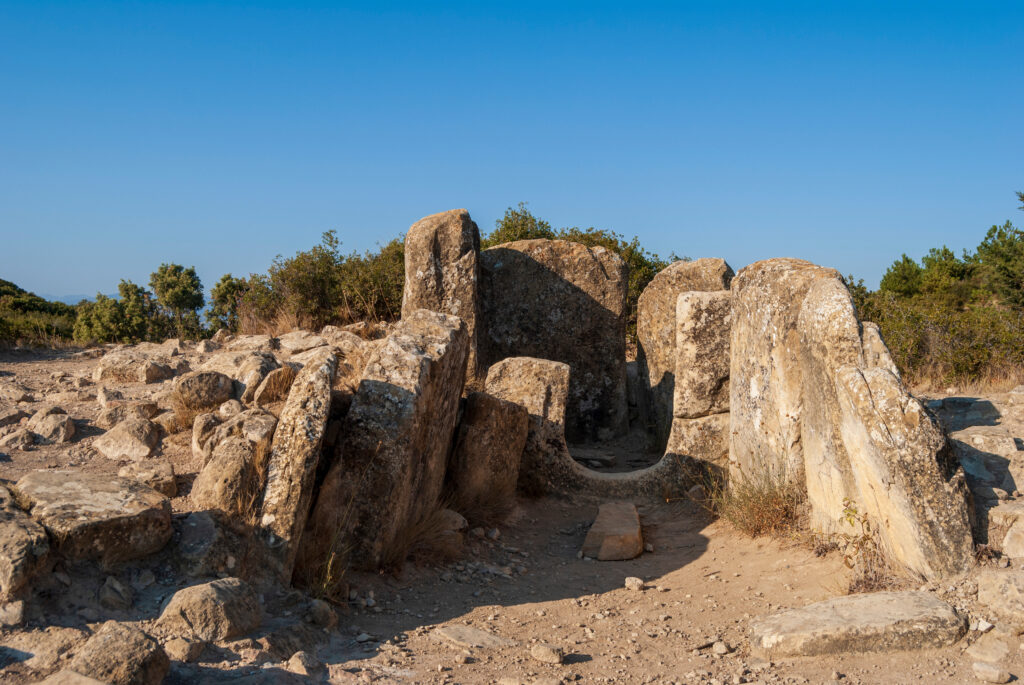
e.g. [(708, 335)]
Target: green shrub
[(27, 317)]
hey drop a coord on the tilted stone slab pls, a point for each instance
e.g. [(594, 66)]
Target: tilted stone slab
[(656, 331), (563, 301), (877, 622), (119, 654), (389, 471), (442, 274), (24, 547), (294, 455), (703, 331), (814, 402), (97, 516)]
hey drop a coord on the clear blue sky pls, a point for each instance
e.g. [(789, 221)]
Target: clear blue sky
[(222, 134)]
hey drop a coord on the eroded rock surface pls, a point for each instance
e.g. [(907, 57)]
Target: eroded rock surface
[(219, 610), (24, 547), (562, 301), (96, 516), (396, 438), (877, 622), (118, 654), (442, 273), (656, 330), (294, 455)]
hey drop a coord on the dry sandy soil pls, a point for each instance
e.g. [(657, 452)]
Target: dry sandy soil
[(704, 583)]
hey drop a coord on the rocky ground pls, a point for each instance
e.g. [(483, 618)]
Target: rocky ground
[(519, 605)]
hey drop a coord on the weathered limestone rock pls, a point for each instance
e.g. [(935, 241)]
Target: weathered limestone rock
[(68, 677), (300, 341), (10, 416), (542, 387), (990, 673), (558, 300), (130, 366), (900, 461), (656, 330), (703, 330), (20, 439), (255, 425), (252, 343), (877, 622), (14, 392), (156, 473), (1003, 593), (118, 654), (232, 480), (395, 441), (470, 637), (130, 439), (442, 273), (24, 547), (206, 547), (97, 516), (615, 534), (705, 439), (294, 455), (203, 389), (806, 407), (117, 411), (219, 610), (52, 427), (275, 386), (246, 368), (765, 376), (485, 463)]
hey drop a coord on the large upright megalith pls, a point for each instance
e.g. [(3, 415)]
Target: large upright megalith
[(442, 274), (656, 333), (815, 402), (565, 302)]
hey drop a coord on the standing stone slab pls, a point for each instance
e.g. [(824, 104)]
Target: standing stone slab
[(442, 274), (542, 387), (294, 455), (813, 401), (615, 534), (877, 622), (558, 300), (705, 439), (656, 331), (389, 471), (765, 376), (488, 450), (24, 547), (703, 330), (97, 516)]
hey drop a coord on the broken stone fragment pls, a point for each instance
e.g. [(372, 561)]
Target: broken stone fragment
[(130, 439), (876, 622), (118, 654), (97, 516), (615, 534), (24, 547), (219, 610), (156, 473)]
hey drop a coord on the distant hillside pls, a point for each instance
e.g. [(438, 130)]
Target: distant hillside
[(27, 317)]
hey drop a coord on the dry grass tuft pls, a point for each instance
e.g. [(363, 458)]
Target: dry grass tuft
[(184, 414), (761, 504), (428, 541)]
